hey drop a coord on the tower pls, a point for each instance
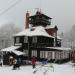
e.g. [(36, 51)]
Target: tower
[(40, 19)]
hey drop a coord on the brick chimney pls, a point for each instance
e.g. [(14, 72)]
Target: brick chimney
[(27, 20)]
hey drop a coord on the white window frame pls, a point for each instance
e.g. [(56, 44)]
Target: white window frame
[(34, 53), (57, 55), (17, 39), (66, 54), (61, 55), (49, 54), (34, 39), (58, 41), (42, 54)]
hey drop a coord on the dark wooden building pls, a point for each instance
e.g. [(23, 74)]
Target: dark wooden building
[(40, 39), (35, 39)]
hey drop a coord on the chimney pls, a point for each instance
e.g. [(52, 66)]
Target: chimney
[(27, 20)]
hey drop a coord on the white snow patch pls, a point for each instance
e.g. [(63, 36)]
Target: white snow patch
[(37, 31), (64, 69), (9, 49)]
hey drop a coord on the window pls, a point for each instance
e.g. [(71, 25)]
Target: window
[(65, 54), (49, 54), (17, 39), (54, 39), (57, 55), (58, 41), (34, 40), (25, 39), (61, 55), (34, 53), (42, 54), (26, 52)]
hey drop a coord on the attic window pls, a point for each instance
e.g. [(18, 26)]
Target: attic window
[(32, 29)]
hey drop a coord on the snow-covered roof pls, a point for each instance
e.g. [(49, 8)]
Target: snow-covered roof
[(12, 49), (9, 49), (58, 37), (34, 31), (49, 26), (18, 52), (60, 48)]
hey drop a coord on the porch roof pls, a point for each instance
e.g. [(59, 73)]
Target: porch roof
[(60, 48), (18, 52), (9, 49), (13, 49)]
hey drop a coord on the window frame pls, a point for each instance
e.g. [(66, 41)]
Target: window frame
[(34, 39), (25, 39), (17, 40), (34, 53)]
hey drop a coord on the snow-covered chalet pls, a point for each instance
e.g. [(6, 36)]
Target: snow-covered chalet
[(40, 39)]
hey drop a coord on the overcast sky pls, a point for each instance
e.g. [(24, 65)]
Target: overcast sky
[(62, 11)]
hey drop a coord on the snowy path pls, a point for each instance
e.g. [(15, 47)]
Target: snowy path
[(64, 69)]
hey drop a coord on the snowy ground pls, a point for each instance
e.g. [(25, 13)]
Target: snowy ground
[(64, 69)]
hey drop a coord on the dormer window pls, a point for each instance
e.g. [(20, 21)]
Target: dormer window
[(32, 29), (25, 39)]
